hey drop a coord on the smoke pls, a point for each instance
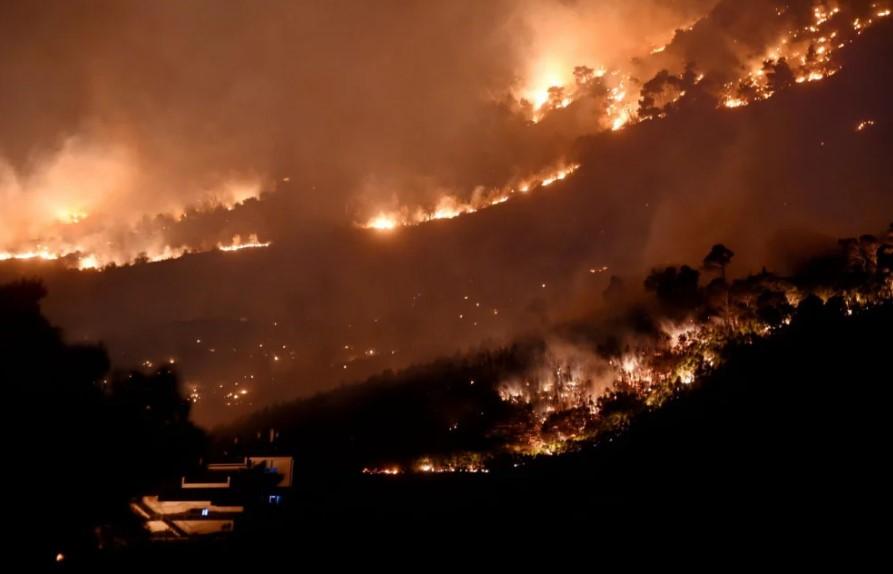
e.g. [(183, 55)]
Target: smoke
[(90, 197), (118, 111), (69, 184), (600, 34), (562, 375), (162, 128)]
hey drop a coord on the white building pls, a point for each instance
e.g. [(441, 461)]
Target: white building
[(211, 503)]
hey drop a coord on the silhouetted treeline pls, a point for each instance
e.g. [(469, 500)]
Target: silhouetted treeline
[(80, 441), (447, 406)]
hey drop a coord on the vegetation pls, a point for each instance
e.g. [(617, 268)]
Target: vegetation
[(83, 440), (503, 406)]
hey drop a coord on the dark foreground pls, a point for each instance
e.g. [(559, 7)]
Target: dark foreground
[(786, 444)]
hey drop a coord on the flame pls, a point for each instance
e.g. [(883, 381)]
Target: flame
[(471, 464), (559, 175), (26, 255), (449, 206), (84, 260), (88, 262), (620, 120), (84, 204), (559, 398), (559, 393), (83, 187), (387, 470), (72, 216), (809, 52), (383, 222), (238, 245), (547, 77)]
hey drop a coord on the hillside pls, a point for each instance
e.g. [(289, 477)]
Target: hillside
[(770, 179), (590, 379), (773, 442)]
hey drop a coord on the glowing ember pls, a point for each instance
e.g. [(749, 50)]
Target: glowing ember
[(863, 125), (389, 470), (461, 463)]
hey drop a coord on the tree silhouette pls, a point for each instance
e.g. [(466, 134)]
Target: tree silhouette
[(583, 75), (676, 288), (84, 441), (779, 75), (718, 258)]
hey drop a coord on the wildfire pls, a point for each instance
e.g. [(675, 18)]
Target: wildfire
[(72, 216), (383, 222), (84, 260), (449, 207), (559, 175), (88, 262), (621, 120), (26, 255), (806, 54), (238, 245), (73, 206), (801, 56), (388, 470), (567, 394), (564, 390), (79, 261), (461, 463)]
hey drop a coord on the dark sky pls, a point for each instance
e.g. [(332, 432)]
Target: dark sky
[(131, 110)]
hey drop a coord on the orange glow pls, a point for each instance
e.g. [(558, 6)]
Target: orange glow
[(449, 207), (86, 203), (26, 255), (383, 222), (809, 52), (88, 262), (238, 245), (72, 216)]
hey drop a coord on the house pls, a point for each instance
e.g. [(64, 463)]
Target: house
[(212, 500)]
